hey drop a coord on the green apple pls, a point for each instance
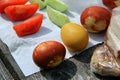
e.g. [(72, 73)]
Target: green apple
[(41, 3), (58, 5), (57, 17)]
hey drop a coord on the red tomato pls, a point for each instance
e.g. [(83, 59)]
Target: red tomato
[(49, 54), (20, 12), (29, 26), (5, 3)]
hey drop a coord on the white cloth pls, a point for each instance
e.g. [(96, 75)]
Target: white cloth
[(22, 48)]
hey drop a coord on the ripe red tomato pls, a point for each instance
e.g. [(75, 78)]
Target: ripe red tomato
[(5, 3), (29, 26), (49, 54), (20, 12), (95, 19)]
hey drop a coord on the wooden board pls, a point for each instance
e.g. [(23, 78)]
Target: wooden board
[(9, 62), (74, 68)]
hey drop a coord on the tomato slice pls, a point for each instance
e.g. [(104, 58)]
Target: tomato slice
[(20, 12), (29, 26), (5, 3)]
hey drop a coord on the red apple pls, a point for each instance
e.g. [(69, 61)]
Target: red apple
[(95, 19), (111, 3), (49, 54)]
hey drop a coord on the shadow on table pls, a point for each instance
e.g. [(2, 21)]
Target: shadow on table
[(85, 56), (65, 71)]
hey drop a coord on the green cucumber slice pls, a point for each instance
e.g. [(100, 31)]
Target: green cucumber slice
[(58, 5), (42, 4), (57, 17)]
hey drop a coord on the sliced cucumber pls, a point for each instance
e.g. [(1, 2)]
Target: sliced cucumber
[(56, 4), (41, 3), (57, 17)]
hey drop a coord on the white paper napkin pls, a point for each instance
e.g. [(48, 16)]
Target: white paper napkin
[(22, 48)]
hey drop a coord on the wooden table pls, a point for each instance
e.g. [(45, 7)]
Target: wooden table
[(74, 68)]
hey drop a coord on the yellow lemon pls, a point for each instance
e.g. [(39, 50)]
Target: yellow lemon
[(74, 36)]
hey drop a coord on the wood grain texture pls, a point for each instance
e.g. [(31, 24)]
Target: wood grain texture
[(9, 62), (4, 73), (74, 68)]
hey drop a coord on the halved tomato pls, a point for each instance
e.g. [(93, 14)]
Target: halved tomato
[(29, 26), (5, 3), (20, 12)]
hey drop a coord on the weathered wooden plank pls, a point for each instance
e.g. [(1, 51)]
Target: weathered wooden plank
[(4, 73), (9, 62)]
